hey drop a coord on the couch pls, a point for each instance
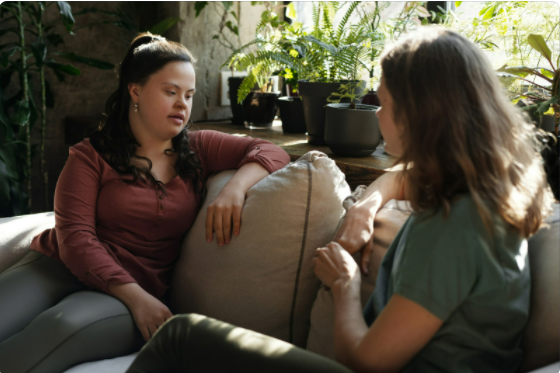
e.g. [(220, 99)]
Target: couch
[(314, 188)]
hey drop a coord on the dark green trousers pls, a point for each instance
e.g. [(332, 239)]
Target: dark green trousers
[(195, 343)]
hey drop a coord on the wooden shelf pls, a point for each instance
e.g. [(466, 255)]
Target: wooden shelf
[(358, 171)]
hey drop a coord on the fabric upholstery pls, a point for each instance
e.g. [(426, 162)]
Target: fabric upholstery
[(387, 223), (263, 280), (541, 339)]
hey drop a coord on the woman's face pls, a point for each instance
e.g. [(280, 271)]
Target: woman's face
[(390, 130), (164, 102)]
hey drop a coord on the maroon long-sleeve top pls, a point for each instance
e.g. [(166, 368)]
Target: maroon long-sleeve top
[(111, 232)]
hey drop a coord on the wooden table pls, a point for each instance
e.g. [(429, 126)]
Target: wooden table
[(358, 171)]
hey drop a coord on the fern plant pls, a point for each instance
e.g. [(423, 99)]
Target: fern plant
[(327, 53)]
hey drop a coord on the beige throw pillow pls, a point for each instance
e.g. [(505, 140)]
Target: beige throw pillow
[(263, 280), (387, 223)]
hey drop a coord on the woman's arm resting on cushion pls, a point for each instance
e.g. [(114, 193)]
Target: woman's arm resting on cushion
[(226, 209), (401, 330), (356, 230)]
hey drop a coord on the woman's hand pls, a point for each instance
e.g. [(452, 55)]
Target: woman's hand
[(335, 266), (147, 311), (356, 233), (224, 213), (149, 314)]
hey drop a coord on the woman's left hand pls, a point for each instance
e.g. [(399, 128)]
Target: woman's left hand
[(224, 214), (335, 266)]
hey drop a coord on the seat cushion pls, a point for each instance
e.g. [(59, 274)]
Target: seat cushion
[(541, 339), (387, 223), (263, 279), (16, 234)]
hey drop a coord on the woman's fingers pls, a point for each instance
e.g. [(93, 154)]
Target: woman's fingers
[(366, 256), (218, 228), (209, 225), (236, 217), (145, 333)]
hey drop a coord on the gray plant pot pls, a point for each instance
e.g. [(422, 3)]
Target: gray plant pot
[(314, 96), (352, 132)]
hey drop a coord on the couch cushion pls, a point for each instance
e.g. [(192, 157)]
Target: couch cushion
[(16, 234), (541, 339), (263, 280), (387, 223)]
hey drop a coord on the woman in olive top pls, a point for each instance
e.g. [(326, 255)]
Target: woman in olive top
[(452, 294)]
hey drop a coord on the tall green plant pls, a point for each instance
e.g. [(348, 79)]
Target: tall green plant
[(19, 112), (548, 100), (327, 53)]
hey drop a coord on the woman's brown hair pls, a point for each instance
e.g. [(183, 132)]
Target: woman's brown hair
[(461, 134)]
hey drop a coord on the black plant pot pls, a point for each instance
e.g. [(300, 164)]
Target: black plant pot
[(291, 114), (352, 132), (551, 157), (314, 97), (236, 109), (371, 99), (260, 109)]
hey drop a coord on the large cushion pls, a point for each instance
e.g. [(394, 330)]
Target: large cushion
[(16, 234), (263, 280), (388, 220), (541, 339)]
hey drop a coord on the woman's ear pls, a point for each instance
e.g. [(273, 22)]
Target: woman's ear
[(134, 90)]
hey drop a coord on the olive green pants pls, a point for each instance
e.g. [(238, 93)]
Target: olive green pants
[(195, 343)]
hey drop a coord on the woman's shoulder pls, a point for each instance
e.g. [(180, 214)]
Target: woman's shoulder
[(86, 153)]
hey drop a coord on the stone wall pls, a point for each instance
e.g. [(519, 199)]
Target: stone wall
[(86, 94)]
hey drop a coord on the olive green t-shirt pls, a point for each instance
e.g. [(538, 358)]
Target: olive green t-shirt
[(478, 284)]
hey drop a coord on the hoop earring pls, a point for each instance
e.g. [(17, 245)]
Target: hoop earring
[(136, 108)]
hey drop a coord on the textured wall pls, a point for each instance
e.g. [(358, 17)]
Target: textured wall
[(196, 34), (86, 94)]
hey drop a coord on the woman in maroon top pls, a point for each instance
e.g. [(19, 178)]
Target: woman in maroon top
[(123, 203)]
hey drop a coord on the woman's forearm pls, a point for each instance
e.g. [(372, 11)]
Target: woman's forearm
[(349, 325), (247, 176), (385, 188)]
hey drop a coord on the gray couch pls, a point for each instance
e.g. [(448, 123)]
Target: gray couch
[(542, 337)]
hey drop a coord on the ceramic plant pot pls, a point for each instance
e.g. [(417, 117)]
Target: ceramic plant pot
[(314, 97), (352, 132), (237, 109), (260, 109), (291, 114)]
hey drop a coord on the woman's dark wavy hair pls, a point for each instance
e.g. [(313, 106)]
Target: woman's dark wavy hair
[(114, 139)]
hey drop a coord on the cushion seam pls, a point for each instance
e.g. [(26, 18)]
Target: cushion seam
[(302, 251)]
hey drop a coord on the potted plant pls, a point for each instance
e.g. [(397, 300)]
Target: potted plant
[(546, 102), (261, 106), (291, 105), (352, 129), (28, 60)]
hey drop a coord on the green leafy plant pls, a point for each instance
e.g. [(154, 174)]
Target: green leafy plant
[(352, 90), (327, 53), (548, 98), (229, 22), (19, 112)]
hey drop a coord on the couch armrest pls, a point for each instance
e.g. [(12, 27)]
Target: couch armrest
[(16, 234), (552, 368)]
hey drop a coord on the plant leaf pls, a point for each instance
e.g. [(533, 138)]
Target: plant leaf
[(291, 11), (66, 15), (538, 44), (21, 114), (458, 3), (88, 61), (161, 27), (199, 6), (39, 50), (67, 69), (227, 4), (549, 74), (546, 105)]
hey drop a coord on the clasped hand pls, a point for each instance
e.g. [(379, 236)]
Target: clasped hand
[(224, 215), (335, 266)]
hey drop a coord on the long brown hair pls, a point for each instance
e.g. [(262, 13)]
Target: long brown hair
[(461, 134), (114, 139)]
